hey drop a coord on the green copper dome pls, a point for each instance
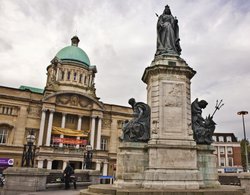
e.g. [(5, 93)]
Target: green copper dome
[(73, 53)]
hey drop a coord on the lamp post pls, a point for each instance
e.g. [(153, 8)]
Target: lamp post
[(29, 151), (242, 113), (88, 157)]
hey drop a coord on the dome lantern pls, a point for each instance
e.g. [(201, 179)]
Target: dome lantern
[(74, 41)]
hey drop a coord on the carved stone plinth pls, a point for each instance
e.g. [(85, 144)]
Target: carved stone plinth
[(171, 150), (132, 160), (207, 166)]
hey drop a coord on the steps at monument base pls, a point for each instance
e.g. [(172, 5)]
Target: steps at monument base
[(111, 190), (87, 192)]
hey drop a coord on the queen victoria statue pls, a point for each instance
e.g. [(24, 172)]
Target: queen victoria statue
[(168, 41)]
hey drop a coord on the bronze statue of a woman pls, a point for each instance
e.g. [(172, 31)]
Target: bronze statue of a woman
[(168, 41)]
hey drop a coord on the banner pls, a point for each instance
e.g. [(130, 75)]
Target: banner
[(69, 132), (69, 141)]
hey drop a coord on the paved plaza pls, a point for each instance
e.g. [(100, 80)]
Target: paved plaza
[(71, 191)]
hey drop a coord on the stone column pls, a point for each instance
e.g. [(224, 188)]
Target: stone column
[(62, 126), (105, 168), (226, 157), (64, 164), (49, 164), (92, 132), (98, 165), (41, 131), (49, 127), (218, 156), (79, 126), (40, 164), (99, 128)]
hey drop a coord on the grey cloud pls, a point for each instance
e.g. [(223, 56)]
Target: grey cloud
[(5, 45)]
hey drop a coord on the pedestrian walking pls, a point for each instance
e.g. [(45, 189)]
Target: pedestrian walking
[(67, 173)]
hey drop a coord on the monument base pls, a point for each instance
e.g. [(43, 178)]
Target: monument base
[(172, 179), (132, 160), (112, 189), (207, 166)]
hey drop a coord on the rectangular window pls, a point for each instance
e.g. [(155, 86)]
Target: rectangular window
[(75, 75), (214, 138), (104, 144), (221, 139), (68, 75), (229, 150), (85, 80), (3, 135), (222, 150), (229, 139), (80, 78), (230, 162), (222, 161), (62, 76)]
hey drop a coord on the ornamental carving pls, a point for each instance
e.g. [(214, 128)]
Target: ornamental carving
[(106, 123), (34, 111), (173, 95), (64, 99), (84, 103), (73, 100)]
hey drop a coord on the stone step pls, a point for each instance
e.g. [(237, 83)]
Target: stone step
[(111, 190), (87, 192)]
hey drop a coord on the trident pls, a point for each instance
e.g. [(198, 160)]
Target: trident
[(217, 106)]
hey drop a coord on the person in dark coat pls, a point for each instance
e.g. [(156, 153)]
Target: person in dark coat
[(68, 171)]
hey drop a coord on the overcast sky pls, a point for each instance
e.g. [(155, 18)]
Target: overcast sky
[(119, 37)]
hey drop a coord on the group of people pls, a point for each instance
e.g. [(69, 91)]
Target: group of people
[(68, 175)]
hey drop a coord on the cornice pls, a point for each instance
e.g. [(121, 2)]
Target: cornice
[(166, 69)]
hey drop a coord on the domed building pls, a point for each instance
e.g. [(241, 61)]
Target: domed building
[(65, 117)]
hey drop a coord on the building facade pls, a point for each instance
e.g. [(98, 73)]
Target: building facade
[(65, 116), (228, 151)]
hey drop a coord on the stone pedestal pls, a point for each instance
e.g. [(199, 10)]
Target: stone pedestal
[(20, 180), (94, 176), (207, 165), (172, 150), (132, 160), (245, 181)]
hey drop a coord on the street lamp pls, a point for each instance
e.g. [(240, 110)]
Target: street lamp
[(88, 157), (242, 113), (29, 150)]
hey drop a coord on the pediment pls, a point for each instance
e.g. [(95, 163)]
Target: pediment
[(73, 99)]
